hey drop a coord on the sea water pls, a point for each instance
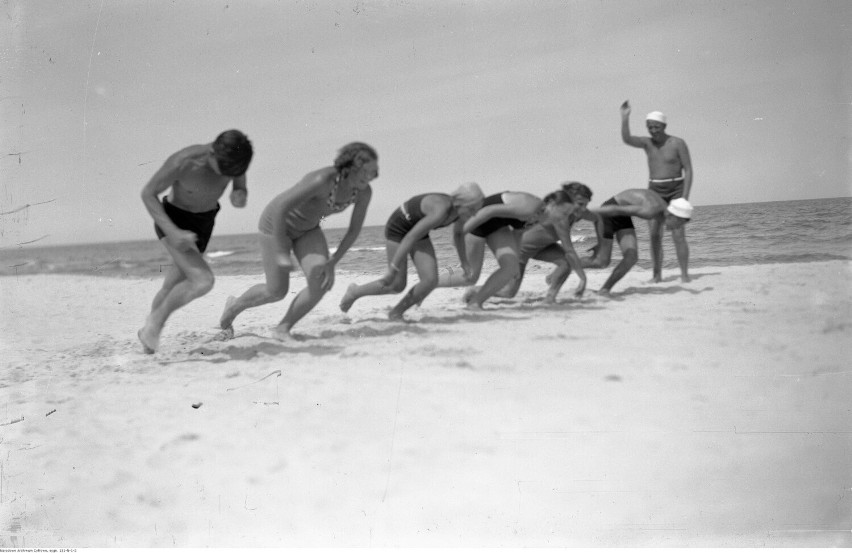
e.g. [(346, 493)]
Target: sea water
[(718, 235)]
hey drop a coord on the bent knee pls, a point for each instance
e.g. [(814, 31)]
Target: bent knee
[(631, 256), (397, 287), (429, 283), (276, 293), (202, 282), (509, 261)]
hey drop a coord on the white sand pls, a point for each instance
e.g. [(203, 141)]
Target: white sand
[(715, 413)]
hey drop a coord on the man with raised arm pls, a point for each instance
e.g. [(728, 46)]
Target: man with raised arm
[(670, 176)]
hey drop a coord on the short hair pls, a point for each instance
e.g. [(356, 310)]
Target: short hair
[(233, 153), (576, 189), (469, 195), (354, 154), (559, 197)]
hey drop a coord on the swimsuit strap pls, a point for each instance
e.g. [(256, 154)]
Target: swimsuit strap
[(335, 207)]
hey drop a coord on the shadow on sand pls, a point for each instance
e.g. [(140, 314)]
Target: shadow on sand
[(658, 290)]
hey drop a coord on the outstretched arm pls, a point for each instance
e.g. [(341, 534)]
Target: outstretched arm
[(630, 140), (461, 247), (359, 213), (686, 162), (644, 211), (563, 231), (518, 206), (597, 220)]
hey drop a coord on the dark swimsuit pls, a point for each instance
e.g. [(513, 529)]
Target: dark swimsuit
[(668, 189), (496, 223), (199, 223), (616, 223), (403, 219)]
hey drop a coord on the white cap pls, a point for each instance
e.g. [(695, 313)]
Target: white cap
[(657, 116), (680, 208)]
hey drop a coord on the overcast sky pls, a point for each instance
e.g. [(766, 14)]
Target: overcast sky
[(512, 94)]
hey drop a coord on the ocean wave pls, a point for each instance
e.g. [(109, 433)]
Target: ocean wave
[(221, 253)]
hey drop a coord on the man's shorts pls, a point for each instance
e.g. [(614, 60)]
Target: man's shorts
[(668, 190), (611, 225), (199, 223)]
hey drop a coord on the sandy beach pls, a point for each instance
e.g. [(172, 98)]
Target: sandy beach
[(714, 413)]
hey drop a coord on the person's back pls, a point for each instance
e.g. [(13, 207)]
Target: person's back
[(650, 203)]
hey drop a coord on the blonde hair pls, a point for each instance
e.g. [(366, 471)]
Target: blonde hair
[(468, 195)]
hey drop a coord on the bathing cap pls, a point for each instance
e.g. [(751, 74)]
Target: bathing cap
[(680, 208), (469, 194), (656, 116)]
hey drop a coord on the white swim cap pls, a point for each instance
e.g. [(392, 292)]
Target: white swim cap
[(680, 208), (469, 194), (657, 116)]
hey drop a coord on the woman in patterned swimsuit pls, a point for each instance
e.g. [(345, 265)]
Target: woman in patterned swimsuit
[(407, 234), (291, 223)]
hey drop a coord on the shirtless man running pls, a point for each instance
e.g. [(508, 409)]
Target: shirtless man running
[(198, 176), (615, 214), (670, 169)]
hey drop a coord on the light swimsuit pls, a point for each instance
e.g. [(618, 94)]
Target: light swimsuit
[(305, 216)]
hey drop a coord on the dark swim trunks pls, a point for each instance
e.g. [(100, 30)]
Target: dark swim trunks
[(496, 223), (668, 189), (614, 224), (199, 223)]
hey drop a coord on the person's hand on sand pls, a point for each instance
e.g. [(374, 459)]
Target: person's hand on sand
[(467, 271), (594, 251)]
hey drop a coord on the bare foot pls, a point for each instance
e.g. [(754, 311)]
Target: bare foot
[(657, 279), (394, 315), (282, 334), (226, 320), (225, 334), (150, 341), (348, 298), (685, 278), (473, 306), (604, 292)]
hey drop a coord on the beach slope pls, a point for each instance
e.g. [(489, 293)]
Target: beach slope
[(714, 413)]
